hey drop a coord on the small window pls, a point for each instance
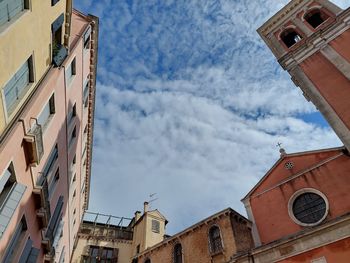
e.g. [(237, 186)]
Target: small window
[(147, 261), (290, 37), (74, 178), (18, 85), (73, 135), (315, 17), (52, 181), (86, 94), (178, 253), (53, 2), (87, 37), (309, 208), (74, 211), (71, 71), (74, 161), (86, 128), (215, 240), (47, 113), (72, 113), (155, 226), (138, 249)]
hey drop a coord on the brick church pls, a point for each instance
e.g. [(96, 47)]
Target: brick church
[(300, 209)]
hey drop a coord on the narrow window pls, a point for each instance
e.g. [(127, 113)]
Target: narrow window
[(71, 71), (315, 17), (178, 253), (47, 113), (18, 85), (72, 113), (51, 160), (147, 261), (73, 135), (290, 37), (52, 181), (86, 94), (215, 240), (15, 240)]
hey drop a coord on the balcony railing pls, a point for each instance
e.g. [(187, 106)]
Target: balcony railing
[(59, 53)]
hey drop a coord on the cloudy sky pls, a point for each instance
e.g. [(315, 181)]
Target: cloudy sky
[(190, 105)]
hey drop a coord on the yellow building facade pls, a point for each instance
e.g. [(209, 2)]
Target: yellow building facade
[(30, 32)]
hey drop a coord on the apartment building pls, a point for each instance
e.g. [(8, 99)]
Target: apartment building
[(48, 59)]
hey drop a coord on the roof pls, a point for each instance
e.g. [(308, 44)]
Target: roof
[(291, 155), (205, 221)]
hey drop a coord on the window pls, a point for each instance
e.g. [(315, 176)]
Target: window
[(55, 225), (52, 181), (11, 194), (178, 253), (74, 161), (72, 113), (11, 8), (155, 226), (86, 94), (101, 254), (134, 260), (29, 253), (290, 37), (50, 163), (138, 249), (73, 135), (53, 2), (18, 85), (215, 240), (59, 52), (47, 112), (87, 37), (12, 247), (315, 17), (147, 261), (71, 71), (309, 208)]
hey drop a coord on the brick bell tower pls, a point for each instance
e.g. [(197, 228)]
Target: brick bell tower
[(311, 40)]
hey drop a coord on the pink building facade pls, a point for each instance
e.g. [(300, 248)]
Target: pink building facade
[(45, 159)]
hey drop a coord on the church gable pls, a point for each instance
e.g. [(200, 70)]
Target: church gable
[(292, 164)]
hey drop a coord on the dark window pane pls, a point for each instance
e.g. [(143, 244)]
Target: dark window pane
[(309, 208)]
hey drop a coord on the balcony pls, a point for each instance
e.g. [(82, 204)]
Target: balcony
[(33, 145), (41, 190), (59, 54)]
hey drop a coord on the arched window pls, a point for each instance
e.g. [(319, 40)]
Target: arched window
[(147, 261), (290, 37), (215, 239), (178, 253), (315, 17)]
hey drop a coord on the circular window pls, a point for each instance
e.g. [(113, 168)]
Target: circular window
[(288, 165), (308, 207)]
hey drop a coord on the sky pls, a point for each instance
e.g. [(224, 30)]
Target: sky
[(190, 106)]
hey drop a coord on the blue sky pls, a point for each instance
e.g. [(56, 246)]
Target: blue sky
[(190, 105)]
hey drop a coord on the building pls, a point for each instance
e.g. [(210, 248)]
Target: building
[(310, 39), (301, 208), (48, 59), (143, 239)]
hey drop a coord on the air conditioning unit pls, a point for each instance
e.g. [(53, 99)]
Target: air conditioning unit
[(34, 147)]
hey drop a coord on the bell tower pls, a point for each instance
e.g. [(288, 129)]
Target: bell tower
[(311, 40)]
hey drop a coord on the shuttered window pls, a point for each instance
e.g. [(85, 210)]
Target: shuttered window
[(17, 86), (47, 112), (10, 8), (11, 194)]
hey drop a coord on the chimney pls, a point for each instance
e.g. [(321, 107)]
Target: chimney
[(145, 207), (137, 215)]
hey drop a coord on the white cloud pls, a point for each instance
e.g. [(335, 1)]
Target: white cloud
[(190, 105)]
